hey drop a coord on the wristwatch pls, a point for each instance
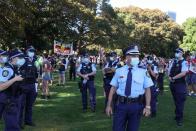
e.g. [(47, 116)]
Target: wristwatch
[(148, 107)]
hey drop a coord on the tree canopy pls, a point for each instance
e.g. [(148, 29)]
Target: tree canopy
[(153, 30), (87, 23), (189, 39)]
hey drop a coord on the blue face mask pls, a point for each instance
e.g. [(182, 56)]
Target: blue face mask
[(112, 58), (86, 60), (30, 54), (4, 59), (134, 61), (149, 61), (177, 55), (20, 62)]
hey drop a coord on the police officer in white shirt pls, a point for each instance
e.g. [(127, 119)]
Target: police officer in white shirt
[(131, 83)]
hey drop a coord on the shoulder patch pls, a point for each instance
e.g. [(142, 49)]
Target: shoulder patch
[(5, 73)]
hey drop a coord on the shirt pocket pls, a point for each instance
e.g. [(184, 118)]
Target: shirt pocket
[(138, 83), (121, 83), (122, 80)]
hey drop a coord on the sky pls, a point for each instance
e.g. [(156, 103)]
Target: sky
[(183, 8)]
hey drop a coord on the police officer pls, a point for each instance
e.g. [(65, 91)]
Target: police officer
[(29, 90), (13, 93), (87, 72), (72, 70), (177, 72), (108, 73), (3, 75), (153, 71), (130, 82)]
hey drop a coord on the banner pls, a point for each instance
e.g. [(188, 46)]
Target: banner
[(63, 49)]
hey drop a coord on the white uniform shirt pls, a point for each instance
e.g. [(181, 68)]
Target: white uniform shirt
[(140, 81)]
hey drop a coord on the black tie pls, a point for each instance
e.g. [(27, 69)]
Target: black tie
[(128, 83)]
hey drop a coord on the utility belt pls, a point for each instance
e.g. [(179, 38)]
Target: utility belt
[(126, 100), (91, 78)]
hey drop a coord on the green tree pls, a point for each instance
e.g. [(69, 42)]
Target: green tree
[(189, 40), (153, 30), (39, 22), (112, 31)]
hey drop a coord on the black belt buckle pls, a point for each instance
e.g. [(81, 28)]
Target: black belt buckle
[(122, 99), (127, 100), (130, 100)]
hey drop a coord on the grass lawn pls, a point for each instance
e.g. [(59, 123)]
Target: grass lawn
[(63, 112)]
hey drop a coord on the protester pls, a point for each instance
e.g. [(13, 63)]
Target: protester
[(46, 77)]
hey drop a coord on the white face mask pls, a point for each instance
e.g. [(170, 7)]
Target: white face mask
[(86, 60), (30, 54), (135, 61), (112, 58), (4, 59), (149, 61), (177, 55), (20, 62)]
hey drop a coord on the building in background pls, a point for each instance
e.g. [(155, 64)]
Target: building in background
[(172, 15)]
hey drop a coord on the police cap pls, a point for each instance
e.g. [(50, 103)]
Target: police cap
[(132, 50), (16, 53), (31, 48), (113, 54), (179, 50)]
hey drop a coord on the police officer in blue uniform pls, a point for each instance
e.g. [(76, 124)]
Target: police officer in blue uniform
[(153, 71), (108, 73), (13, 93), (3, 77), (87, 72), (177, 72), (30, 71), (131, 83)]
